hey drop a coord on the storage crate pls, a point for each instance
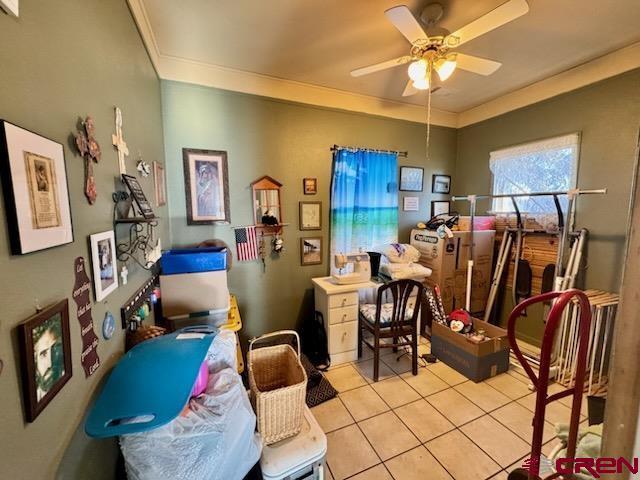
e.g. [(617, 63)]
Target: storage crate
[(193, 260), (278, 386)]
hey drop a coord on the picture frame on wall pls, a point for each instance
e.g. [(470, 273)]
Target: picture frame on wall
[(45, 349), (311, 251), (206, 183), (441, 184), (36, 192), (139, 198), (410, 204), (310, 186), (160, 184), (310, 215), (411, 179), (440, 207), (103, 259)]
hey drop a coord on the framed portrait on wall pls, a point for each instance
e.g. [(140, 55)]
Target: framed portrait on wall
[(160, 184), (310, 186), (36, 193), (103, 259), (310, 215), (206, 183), (311, 251), (45, 349), (439, 207), (411, 179)]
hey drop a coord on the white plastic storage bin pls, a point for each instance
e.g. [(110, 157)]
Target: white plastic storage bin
[(299, 457), (186, 293)]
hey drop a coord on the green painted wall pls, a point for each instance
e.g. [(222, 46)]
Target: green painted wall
[(59, 61), (288, 142), (607, 114)]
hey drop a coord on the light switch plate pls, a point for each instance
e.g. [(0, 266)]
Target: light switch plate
[(10, 6)]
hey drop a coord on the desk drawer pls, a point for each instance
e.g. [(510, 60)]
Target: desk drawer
[(343, 337), (340, 300), (342, 315)]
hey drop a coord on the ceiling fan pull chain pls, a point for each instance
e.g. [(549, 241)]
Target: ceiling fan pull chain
[(428, 109)]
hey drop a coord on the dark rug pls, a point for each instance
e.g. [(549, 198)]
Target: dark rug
[(319, 389)]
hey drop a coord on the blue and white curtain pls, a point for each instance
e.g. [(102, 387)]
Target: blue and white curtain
[(364, 200)]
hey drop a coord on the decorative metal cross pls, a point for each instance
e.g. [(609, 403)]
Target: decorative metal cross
[(119, 143), (90, 151)]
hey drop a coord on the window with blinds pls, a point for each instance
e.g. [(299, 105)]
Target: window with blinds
[(542, 166)]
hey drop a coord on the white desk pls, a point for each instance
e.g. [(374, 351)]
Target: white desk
[(339, 307)]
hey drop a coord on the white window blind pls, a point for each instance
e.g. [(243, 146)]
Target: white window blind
[(542, 166)]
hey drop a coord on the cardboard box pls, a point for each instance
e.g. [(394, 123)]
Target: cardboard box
[(447, 258), (194, 292), (476, 361)]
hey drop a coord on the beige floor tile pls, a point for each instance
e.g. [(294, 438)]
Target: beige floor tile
[(348, 452), (504, 446), (446, 373), (486, 397), (367, 353), (555, 412), (456, 408), (461, 457), (395, 391), (425, 383), (518, 419), (568, 401), (363, 402), (327, 473), (345, 378), (365, 369), (388, 435), (501, 476), (509, 386), (519, 375), (398, 365), (423, 340), (379, 472), (423, 420), (416, 464), (332, 415)]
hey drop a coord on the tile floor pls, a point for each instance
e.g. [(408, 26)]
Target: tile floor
[(436, 425)]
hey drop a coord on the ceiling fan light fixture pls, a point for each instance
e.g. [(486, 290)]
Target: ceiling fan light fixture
[(417, 70), (421, 83), (446, 66)]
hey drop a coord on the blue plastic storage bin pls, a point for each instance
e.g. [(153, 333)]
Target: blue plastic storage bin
[(194, 260)]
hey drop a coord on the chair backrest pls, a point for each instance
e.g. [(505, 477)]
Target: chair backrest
[(401, 291)]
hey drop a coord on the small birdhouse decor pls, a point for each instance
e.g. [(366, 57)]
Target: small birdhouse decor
[(89, 148), (267, 209)]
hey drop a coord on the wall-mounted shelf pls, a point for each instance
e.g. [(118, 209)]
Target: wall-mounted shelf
[(140, 239)]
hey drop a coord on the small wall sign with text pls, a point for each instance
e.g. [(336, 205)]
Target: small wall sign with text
[(82, 296)]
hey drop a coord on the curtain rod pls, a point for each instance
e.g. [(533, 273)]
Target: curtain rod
[(354, 149), (533, 194)]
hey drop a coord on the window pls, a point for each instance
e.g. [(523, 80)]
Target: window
[(545, 166)]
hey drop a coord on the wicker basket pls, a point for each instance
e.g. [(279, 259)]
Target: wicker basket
[(278, 386)]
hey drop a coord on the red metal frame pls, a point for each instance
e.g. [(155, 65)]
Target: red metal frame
[(541, 382)]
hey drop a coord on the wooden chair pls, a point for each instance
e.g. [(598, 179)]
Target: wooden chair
[(395, 320)]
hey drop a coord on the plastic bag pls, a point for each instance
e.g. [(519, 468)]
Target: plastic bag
[(214, 440)]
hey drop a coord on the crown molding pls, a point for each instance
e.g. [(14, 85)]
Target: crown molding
[(601, 68), (191, 71)]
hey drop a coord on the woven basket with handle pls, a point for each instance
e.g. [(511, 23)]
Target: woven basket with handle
[(278, 385)]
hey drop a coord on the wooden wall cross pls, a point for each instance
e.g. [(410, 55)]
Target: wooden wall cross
[(119, 143)]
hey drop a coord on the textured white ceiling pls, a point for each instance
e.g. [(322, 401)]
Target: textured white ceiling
[(320, 41)]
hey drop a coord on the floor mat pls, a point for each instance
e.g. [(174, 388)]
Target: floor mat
[(319, 389)]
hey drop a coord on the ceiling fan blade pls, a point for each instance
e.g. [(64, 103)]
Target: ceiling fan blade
[(403, 20), (409, 89), (478, 65), (381, 66), (495, 18)]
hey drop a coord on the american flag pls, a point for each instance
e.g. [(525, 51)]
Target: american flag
[(246, 243)]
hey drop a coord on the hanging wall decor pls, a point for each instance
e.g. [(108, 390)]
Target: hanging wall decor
[(311, 251), (81, 295), (143, 167), (206, 184), (310, 186), (138, 195), (441, 184), (90, 151), (46, 356), (310, 215), (159, 184), (36, 193), (119, 143), (103, 257), (411, 179)]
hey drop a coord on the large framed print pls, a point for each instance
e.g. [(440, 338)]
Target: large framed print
[(36, 193), (103, 259), (45, 349), (206, 184)]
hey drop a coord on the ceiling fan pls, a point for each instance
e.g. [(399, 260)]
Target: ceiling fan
[(435, 50)]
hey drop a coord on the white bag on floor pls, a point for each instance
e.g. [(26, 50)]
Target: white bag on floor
[(216, 440)]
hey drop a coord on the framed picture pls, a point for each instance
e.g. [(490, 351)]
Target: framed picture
[(46, 356), (206, 184), (438, 207), (159, 184), (411, 179), (441, 184), (310, 186), (410, 204), (310, 215), (103, 259), (138, 195), (311, 251), (36, 194)]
